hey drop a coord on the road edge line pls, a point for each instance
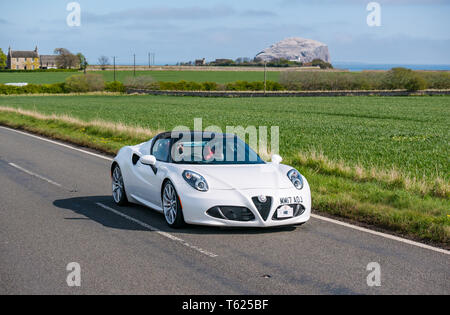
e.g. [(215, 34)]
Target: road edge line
[(385, 235)]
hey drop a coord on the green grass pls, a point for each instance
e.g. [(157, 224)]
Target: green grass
[(375, 134), (197, 76), (410, 133)]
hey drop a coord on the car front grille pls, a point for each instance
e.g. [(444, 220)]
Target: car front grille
[(231, 213), (263, 207)]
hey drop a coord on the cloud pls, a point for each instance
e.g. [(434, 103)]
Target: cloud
[(162, 13), (364, 2), (3, 21), (258, 13)]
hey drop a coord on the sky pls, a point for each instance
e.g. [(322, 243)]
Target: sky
[(411, 31)]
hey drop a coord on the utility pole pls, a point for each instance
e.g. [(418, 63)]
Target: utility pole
[(114, 58), (265, 76), (134, 64)]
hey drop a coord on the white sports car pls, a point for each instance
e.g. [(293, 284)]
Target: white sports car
[(209, 179)]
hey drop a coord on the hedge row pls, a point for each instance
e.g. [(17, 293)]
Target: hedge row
[(91, 83), (398, 78), (79, 83), (213, 86), (40, 70), (56, 88)]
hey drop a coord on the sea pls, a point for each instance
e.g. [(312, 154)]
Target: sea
[(353, 66)]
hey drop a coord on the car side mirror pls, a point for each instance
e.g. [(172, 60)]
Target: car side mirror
[(276, 159), (148, 160)]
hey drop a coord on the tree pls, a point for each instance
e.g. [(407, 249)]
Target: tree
[(402, 78), (2, 59), (82, 62), (90, 82), (322, 64), (103, 61), (65, 59)]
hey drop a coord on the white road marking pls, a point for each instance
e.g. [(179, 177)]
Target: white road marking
[(35, 175), (162, 233), (351, 226), (392, 237), (60, 144)]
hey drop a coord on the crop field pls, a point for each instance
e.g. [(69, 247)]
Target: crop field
[(377, 160), (410, 133), (197, 76)]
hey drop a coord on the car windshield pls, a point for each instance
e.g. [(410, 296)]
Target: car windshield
[(215, 150)]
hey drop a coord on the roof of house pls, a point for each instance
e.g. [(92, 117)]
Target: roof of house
[(48, 58), (24, 54)]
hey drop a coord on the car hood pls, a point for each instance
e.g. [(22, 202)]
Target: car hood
[(253, 176)]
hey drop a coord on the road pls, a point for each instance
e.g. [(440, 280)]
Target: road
[(55, 208)]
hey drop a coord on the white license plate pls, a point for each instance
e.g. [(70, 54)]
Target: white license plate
[(285, 212)]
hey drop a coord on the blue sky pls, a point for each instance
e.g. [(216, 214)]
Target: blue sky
[(412, 31)]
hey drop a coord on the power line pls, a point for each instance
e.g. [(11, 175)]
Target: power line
[(114, 63)]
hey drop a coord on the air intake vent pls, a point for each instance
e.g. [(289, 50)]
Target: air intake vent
[(263, 207), (231, 213)]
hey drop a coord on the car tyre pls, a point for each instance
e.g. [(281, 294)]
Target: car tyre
[(118, 187), (172, 210)]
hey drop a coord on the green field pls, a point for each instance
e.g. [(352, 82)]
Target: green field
[(353, 140), (410, 133), (197, 76)]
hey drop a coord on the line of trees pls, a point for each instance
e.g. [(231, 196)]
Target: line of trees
[(257, 62), (67, 60)]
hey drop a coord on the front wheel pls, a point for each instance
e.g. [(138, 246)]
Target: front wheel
[(118, 187), (172, 206)]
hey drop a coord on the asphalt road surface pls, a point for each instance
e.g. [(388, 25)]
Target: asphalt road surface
[(56, 208)]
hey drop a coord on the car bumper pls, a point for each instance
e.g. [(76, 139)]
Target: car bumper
[(196, 204)]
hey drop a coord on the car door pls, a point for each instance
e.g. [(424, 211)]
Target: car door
[(151, 177)]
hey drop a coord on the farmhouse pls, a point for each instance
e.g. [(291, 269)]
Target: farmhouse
[(200, 62), (29, 60), (23, 59)]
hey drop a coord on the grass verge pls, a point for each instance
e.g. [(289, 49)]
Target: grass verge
[(388, 200), (96, 134)]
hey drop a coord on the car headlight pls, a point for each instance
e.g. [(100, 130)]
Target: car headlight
[(296, 178), (195, 180)]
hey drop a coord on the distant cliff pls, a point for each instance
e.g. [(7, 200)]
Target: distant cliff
[(296, 49)]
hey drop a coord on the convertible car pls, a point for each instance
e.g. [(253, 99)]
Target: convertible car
[(209, 179)]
